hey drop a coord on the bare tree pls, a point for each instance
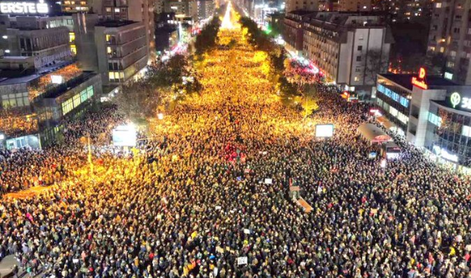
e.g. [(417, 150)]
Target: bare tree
[(376, 62)]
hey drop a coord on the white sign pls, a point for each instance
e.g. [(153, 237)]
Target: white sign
[(325, 130), (247, 231), (268, 181), (24, 7), (242, 260), (445, 154), (125, 136), (57, 79), (466, 103)]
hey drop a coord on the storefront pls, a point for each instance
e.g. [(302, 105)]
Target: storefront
[(433, 112)]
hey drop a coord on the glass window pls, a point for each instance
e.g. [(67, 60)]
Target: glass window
[(76, 100), (83, 96), (90, 91), (67, 106), (434, 119), (466, 131)]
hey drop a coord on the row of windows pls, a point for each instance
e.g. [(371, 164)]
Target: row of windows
[(401, 117), (76, 100), (434, 119), (393, 95), (116, 75), (15, 100)]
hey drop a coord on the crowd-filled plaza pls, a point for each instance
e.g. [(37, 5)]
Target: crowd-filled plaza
[(208, 196)]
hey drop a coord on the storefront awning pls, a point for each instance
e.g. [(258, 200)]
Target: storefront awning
[(373, 134), (385, 122)]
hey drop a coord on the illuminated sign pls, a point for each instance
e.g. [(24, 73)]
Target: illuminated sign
[(455, 99), (420, 81), (462, 102), (445, 154), (24, 7)]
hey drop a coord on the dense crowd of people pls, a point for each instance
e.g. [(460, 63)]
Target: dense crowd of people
[(24, 168), (209, 197)]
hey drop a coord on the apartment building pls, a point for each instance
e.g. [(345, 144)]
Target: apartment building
[(354, 5), (205, 8), (46, 39), (450, 34), (348, 48), (122, 50), (182, 9), (306, 5), (71, 6), (132, 10)]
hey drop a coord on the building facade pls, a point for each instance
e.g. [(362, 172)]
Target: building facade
[(348, 48), (305, 5), (450, 35), (354, 5), (205, 8), (182, 9), (432, 113), (122, 50)]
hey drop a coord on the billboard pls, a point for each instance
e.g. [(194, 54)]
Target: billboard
[(326, 130), (125, 136)]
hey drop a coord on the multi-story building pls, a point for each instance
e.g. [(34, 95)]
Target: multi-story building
[(159, 6), (431, 112), (305, 5), (76, 6), (205, 8), (132, 10), (406, 10), (122, 50), (183, 9), (47, 39), (348, 48), (354, 5), (450, 34)]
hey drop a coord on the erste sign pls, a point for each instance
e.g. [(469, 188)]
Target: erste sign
[(463, 102), (24, 7)]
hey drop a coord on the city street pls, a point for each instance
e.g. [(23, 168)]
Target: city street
[(210, 195)]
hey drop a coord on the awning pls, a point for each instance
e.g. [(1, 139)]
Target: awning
[(373, 134), (385, 122)]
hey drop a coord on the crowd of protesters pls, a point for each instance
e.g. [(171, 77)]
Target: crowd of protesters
[(26, 167), (209, 197)]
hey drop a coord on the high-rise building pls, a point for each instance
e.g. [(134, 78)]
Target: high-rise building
[(405, 10), (183, 9), (205, 8), (348, 48), (122, 50), (306, 5), (76, 6), (133, 10), (354, 5), (450, 35)]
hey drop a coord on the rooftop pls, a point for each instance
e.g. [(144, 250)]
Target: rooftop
[(115, 23), (405, 80), (72, 83)]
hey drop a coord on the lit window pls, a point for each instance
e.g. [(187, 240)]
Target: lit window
[(448, 75), (73, 49), (442, 49), (438, 5), (108, 10), (116, 10), (108, 50), (356, 78), (466, 131), (108, 37), (71, 36)]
